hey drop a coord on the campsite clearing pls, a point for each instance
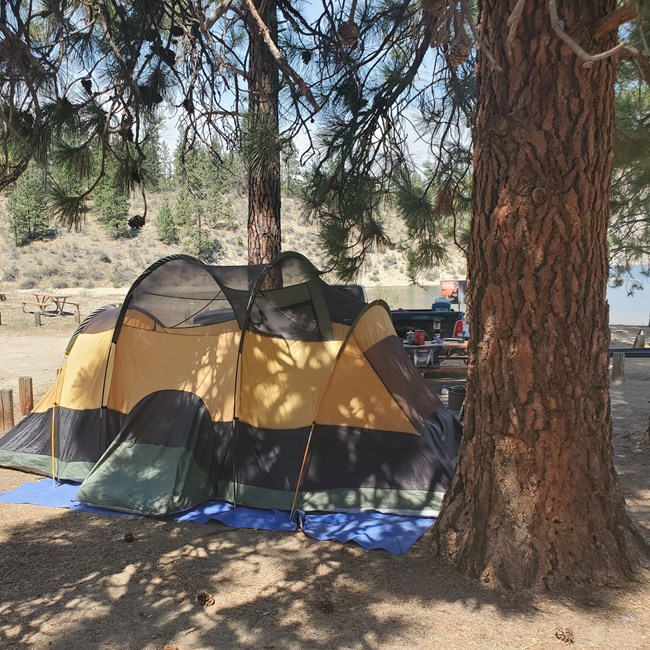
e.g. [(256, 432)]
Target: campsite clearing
[(70, 579)]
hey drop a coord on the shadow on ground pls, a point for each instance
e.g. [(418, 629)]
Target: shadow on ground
[(69, 579)]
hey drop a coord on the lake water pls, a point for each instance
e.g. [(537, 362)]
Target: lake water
[(623, 309)]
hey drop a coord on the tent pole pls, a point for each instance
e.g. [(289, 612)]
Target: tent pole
[(322, 395), (302, 469), (53, 465), (57, 398)]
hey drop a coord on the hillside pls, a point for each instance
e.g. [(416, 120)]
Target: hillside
[(89, 258)]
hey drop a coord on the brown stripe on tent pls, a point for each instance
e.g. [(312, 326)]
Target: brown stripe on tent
[(77, 435), (357, 397), (402, 379)]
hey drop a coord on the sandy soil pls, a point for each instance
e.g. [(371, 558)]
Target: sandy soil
[(69, 580)]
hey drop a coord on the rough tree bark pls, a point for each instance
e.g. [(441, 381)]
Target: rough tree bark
[(264, 235), (535, 501)]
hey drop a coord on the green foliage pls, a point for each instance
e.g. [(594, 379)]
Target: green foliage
[(166, 224), (198, 244), (423, 212), (380, 107), (194, 236), (348, 212), (290, 170), (26, 207), (166, 167), (629, 230), (261, 143), (112, 208), (202, 201)]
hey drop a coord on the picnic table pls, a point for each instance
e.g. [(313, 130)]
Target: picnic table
[(455, 349), (425, 355), (433, 353), (49, 304)]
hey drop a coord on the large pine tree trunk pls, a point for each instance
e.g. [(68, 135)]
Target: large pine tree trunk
[(264, 236), (535, 500)]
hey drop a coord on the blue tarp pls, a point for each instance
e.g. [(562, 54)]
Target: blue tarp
[(393, 533)]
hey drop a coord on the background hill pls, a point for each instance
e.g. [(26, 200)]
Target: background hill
[(90, 258)]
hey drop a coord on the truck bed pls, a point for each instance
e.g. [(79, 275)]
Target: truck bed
[(423, 319)]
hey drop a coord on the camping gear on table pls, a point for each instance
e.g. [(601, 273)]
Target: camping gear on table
[(259, 385), (418, 337)]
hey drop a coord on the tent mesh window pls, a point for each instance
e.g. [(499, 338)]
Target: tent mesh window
[(290, 302), (182, 293), (286, 299)]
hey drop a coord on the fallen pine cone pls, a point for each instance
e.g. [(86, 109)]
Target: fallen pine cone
[(128, 537), (564, 634), (205, 599)]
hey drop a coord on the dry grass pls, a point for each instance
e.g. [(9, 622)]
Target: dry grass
[(89, 258)]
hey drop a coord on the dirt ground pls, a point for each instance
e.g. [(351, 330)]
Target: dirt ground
[(69, 579)]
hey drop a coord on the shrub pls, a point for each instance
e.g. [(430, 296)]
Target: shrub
[(165, 224), (26, 207)]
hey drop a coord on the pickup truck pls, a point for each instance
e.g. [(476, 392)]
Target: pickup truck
[(440, 320)]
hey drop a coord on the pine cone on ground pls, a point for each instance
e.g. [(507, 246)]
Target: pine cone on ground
[(205, 599), (564, 634)]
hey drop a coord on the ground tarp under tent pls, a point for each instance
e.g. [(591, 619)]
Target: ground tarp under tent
[(258, 385)]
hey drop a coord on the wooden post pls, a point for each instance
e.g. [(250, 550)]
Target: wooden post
[(77, 316), (618, 366), (37, 318), (6, 410), (26, 395), (639, 340)]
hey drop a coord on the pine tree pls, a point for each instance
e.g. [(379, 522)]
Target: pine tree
[(26, 207), (112, 208), (159, 52), (166, 224), (629, 228)]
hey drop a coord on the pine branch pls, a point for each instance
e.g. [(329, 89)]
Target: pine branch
[(279, 57), (621, 15), (589, 59), (642, 62), (467, 13), (513, 23)]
